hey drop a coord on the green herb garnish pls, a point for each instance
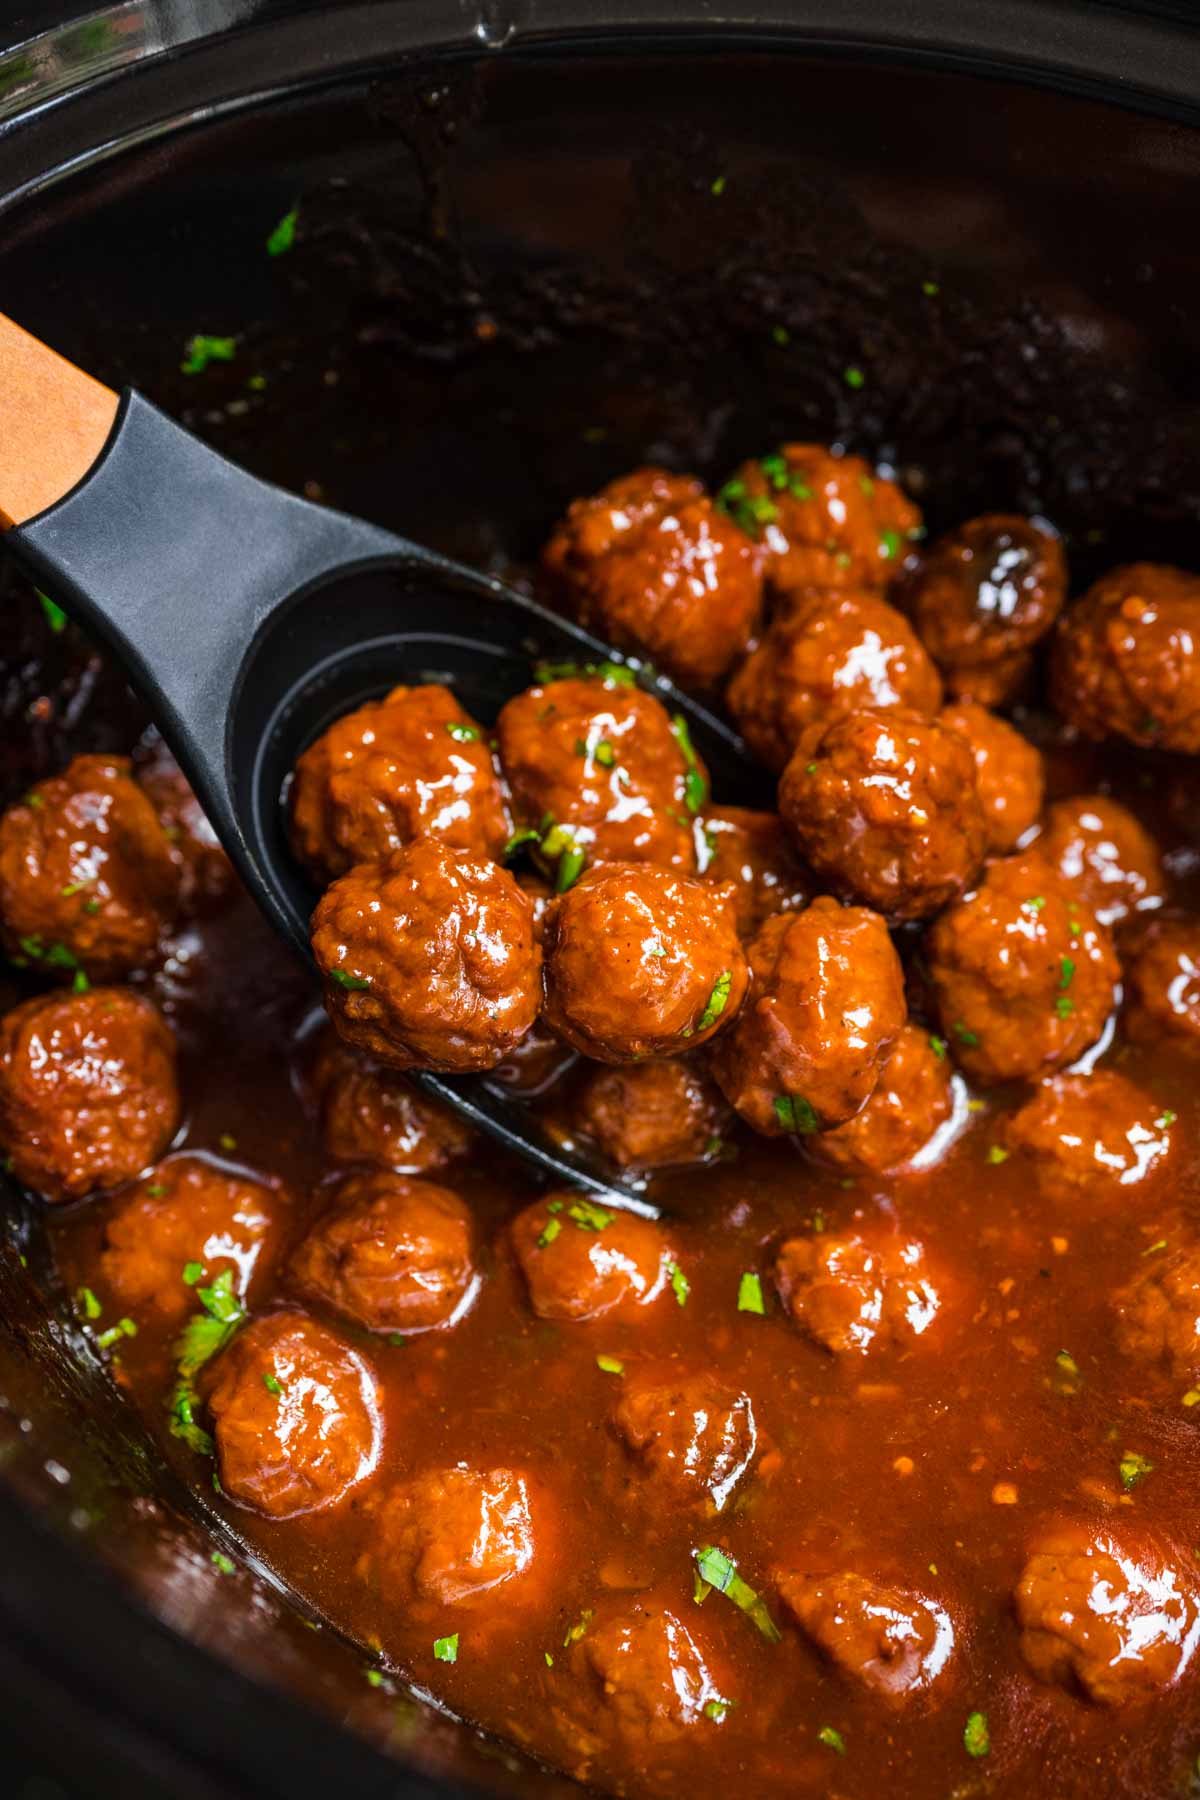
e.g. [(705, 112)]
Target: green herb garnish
[(717, 1000), (87, 1303), (795, 1113), (1132, 1468), (445, 1649), (271, 1384), (548, 1233), (750, 1294), (578, 1629), (610, 1365), (356, 984), (681, 1287), (832, 1739), (965, 1035), (518, 840), (114, 1334), (695, 782), (1066, 972), (201, 350), (56, 618), (205, 1333), (589, 1215), (938, 1046), (462, 734), (720, 1571), (283, 237), (853, 378), (976, 1741), (222, 1563)]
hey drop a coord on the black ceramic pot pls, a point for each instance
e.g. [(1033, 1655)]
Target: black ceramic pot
[(539, 239)]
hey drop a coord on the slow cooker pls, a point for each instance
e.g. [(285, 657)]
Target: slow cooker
[(986, 211)]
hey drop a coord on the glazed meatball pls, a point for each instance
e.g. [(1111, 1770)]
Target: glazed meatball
[(651, 1115), (1023, 973), (752, 850), (676, 580), (392, 1254), (1127, 658), (641, 962), (1162, 983), (1009, 773), (824, 521), (296, 1416), (580, 1260), (413, 765), (1113, 1621), (429, 959), (825, 654), (599, 771), (452, 1535), (188, 1211), (651, 1672), (984, 595), (1091, 1139), (892, 1641), (855, 1294), (1157, 1313), (372, 1114), (693, 1434), (912, 1100), (88, 1094), (884, 807), (1110, 860), (88, 880), (825, 1006), (207, 879)]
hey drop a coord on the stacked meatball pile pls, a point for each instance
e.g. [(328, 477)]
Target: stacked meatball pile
[(557, 899)]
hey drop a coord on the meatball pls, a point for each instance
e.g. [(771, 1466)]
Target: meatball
[(894, 1642), (913, 1098), (372, 1114), (296, 1416), (88, 880), (1110, 860), (676, 580), (1009, 773), (857, 1293), (651, 1115), (1127, 658), (641, 961), (429, 959), (1091, 1138), (651, 1672), (693, 1434), (985, 594), (392, 1254), (1112, 1620), (1023, 973), (1157, 1314), (188, 1211), (826, 1004), (751, 850), (995, 684), (601, 773), (884, 806), (824, 654), (207, 879), (1162, 983), (451, 1535), (88, 1095), (413, 765), (580, 1260), (824, 521)]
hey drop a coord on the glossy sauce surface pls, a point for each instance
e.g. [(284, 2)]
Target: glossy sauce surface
[(931, 1465)]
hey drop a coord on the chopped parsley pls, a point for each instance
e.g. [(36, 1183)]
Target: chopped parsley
[(748, 511), (1066, 972), (930, 289), (283, 236), (548, 1233), (589, 1215), (854, 378), (1132, 1468), (374, 1678), (445, 1649), (718, 187), (610, 1365), (271, 1384), (51, 956), (192, 1272), (87, 1303), (889, 545), (938, 1046), (717, 1000), (604, 754), (222, 1563), (205, 1333), (997, 1154), (795, 1113), (695, 782), (356, 984), (1165, 1119), (578, 1629), (56, 618), (1035, 905), (832, 1739), (781, 335), (750, 1294), (976, 1740), (614, 673), (718, 1710), (681, 1287), (518, 840), (201, 350), (965, 1035), (1064, 1007), (114, 1334), (462, 734), (720, 1571)]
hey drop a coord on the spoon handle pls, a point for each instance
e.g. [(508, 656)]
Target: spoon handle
[(54, 422)]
